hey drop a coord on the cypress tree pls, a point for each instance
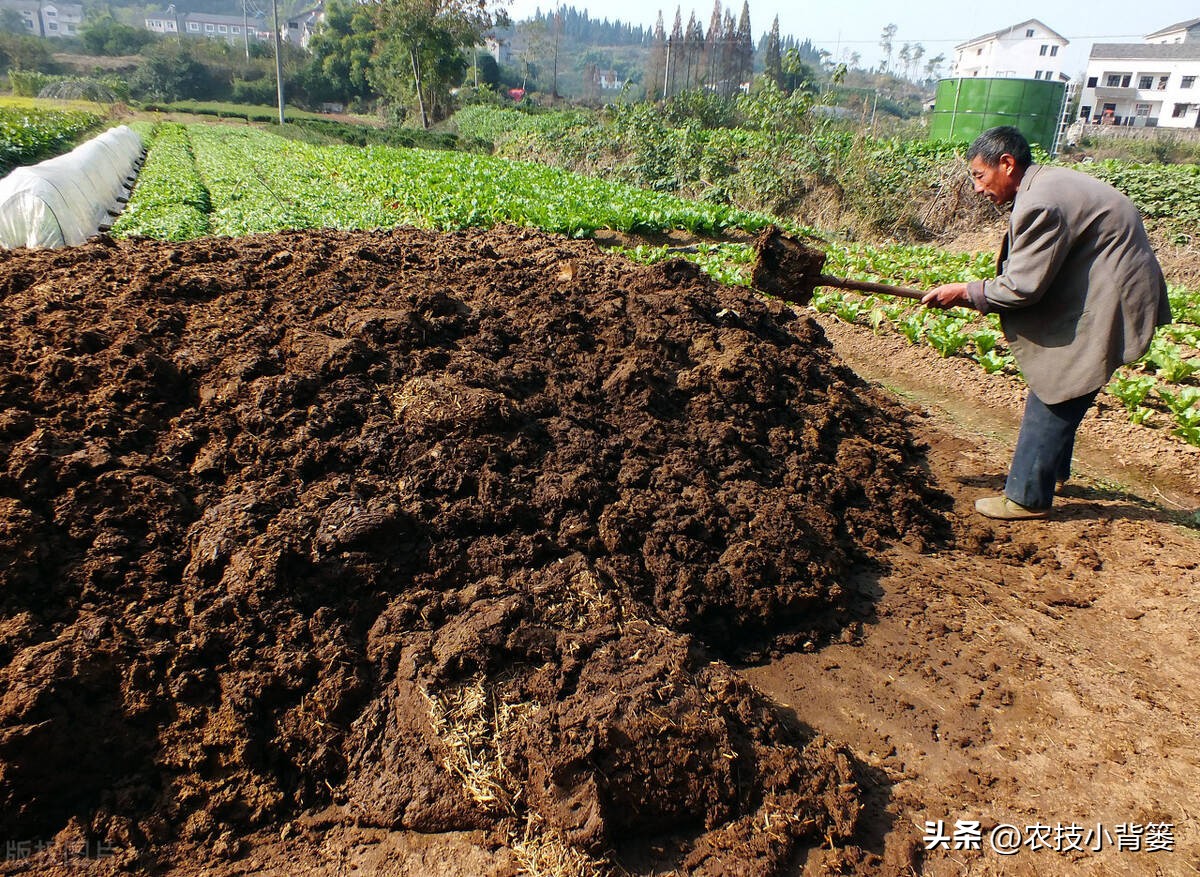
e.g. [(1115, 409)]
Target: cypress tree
[(656, 62), (675, 55), (745, 48), (712, 47), (773, 56)]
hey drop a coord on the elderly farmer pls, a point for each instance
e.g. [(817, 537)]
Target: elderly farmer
[(1079, 293)]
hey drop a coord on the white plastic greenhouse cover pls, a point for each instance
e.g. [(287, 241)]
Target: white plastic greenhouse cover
[(63, 201)]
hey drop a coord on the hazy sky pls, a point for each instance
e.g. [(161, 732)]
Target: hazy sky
[(939, 25)]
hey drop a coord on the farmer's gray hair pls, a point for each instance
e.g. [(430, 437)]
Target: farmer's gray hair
[(995, 142)]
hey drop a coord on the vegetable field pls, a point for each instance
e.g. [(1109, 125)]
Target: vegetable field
[(760, 155), (28, 135), (258, 182)]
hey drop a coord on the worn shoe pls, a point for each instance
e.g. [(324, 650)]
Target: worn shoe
[(1004, 509)]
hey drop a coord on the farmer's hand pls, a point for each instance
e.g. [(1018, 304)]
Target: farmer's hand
[(947, 296)]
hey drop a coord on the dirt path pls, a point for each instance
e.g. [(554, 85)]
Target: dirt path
[(1038, 673)]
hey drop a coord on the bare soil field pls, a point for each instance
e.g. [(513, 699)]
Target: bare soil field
[(491, 553)]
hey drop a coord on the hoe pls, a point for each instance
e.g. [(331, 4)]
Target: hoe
[(789, 269)]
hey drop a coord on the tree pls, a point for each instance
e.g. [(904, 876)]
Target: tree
[(18, 52), (489, 70), (712, 46), (885, 43), (693, 50), (916, 54), (417, 48), (656, 62), (744, 48), (675, 51), (341, 49), (773, 56), (170, 72), (11, 22), (536, 42), (797, 76), (933, 65), (105, 35), (728, 54), (591, 83)]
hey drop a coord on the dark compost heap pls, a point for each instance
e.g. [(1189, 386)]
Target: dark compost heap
[(444, 529)]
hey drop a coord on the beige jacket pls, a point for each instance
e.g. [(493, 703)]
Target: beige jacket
[(1079, 290)]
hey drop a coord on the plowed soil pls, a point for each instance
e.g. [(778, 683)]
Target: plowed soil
[(315, 535)]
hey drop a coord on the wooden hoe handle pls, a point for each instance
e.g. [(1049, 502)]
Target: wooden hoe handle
[(866, 286)]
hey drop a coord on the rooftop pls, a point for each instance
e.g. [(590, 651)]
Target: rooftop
[(1003, 32), (1137, 51), (1182, 25)]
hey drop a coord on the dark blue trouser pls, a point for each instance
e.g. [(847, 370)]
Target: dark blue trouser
[(1044, 448)]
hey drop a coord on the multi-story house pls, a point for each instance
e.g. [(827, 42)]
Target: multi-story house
[(1028, 50), (231, 28), (1155, 83), (47, 19), (165, 23), (300, 27), (61, 19), (499, 49)]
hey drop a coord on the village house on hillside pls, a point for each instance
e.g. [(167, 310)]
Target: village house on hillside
[(232, 28), (607, 79), (47, 19), (1148, 84), (300, 27), (1028, 50), (499, 49)]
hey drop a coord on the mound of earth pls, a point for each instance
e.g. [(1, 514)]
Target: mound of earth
[(447, 530)]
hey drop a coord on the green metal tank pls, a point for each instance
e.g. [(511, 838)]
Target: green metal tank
[(965, 108)]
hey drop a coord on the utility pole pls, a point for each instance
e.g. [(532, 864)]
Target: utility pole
[(667, 70), (246, 29), (278, 59), (557, 35)]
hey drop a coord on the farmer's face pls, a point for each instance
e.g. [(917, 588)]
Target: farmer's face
[(998, 182)]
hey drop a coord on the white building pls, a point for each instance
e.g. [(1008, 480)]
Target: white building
[(42, 19), (1028, 50), (1176, 33), (300, 28), (166, 23), (499, 49), (1145, 85), (231, 28), (609, 79), (61, 19)]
